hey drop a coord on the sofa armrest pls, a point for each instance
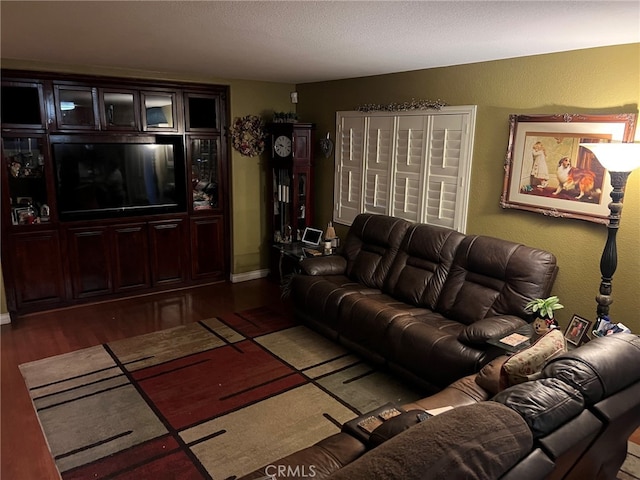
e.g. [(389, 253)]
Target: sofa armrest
[(329, 265), (479, 332)]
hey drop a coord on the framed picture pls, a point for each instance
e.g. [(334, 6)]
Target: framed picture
[(546, 170), (576, 330)]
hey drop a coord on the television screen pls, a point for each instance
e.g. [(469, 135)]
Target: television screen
[(98, 180)]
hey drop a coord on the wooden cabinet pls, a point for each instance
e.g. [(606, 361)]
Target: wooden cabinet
[(89, 253), (168, 258), (130, 257), (207, 245), (65, 240), (35, 268)]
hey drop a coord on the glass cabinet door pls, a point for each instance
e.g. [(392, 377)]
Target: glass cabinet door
[(22, 105), (205, 185), (201, 112), (119, 110), (159, 111), (76, 107), (24, 162)]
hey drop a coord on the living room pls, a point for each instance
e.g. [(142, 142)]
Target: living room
[(598, 80)]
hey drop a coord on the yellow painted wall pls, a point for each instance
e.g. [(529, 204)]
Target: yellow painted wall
[(597, 81)]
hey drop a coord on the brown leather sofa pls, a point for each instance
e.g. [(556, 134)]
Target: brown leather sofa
[(421, 299), (573, 423)]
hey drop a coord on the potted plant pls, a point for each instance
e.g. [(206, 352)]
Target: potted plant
[(543, 308)]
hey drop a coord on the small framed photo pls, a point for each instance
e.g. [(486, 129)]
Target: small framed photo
[(576, 330), (24, 200)]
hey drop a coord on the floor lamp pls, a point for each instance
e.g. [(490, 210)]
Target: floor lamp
[(620, 159)]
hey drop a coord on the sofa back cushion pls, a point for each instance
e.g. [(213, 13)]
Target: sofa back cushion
[(544, 404), (599, 368), (422, 264), (490, 276), (371, 246)]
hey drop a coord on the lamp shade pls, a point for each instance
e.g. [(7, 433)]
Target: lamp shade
[(616, 157)]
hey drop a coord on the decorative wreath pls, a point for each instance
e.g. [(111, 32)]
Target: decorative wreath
[(248, 135)]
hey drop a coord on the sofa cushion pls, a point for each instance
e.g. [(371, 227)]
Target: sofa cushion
[(371, 246), (491, 277), (594, 371), (422, 264), (527, 364), (545, 404), (489, 376), (476, 441)]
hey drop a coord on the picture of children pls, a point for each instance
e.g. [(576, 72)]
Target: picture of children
[(539, 171), (576, 330)]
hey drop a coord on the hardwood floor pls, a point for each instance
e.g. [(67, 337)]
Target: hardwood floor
[(23, 451)]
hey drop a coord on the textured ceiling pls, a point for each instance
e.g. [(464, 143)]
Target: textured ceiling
[(298, 42)]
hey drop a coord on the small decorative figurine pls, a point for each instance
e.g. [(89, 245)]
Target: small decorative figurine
[(544, 325)]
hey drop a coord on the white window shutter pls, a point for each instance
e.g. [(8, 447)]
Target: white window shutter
[(410, 140), (379, 155), (414, 165), (349, 168)]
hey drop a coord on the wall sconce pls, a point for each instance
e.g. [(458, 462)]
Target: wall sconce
[(294, 97), (326, 145), (619, 159)]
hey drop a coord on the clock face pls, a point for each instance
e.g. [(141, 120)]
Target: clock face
[(282, 146)]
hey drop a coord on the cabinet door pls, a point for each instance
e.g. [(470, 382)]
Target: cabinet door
[(90, 261), (204, 168), (159, 111), (168, 258), (202, 112), (119, 109), (131, 257), (37, 268), (76, 107), (22, 105), (207, 247), (26, 197)]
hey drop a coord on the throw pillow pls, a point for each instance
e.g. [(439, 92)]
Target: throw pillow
[(527, 364), (489, 376)]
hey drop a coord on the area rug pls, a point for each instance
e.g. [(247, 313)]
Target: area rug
[(215, 399)]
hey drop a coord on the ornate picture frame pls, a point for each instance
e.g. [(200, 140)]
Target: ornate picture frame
[(577, 329), (546, 171)]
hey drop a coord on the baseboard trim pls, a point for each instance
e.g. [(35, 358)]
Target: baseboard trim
[(5, 318), (244, 277)]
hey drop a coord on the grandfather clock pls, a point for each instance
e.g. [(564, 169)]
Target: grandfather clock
[(292, 180)]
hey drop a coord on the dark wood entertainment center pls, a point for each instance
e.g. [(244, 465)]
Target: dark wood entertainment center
[(111, 187)]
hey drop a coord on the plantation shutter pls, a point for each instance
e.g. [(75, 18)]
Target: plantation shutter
[(411, 134), (349, 169), (378, 159), (413, 165), (445, 150)]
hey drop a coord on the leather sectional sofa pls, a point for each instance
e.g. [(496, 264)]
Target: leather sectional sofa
[(571, 423), (421, 299)]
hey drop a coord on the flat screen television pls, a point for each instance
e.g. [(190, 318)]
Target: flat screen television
[(105, 180)]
